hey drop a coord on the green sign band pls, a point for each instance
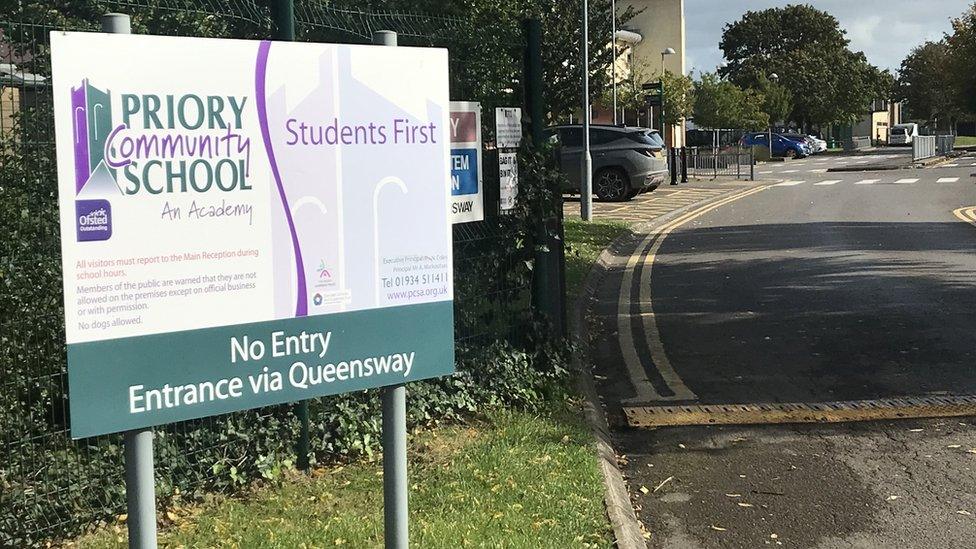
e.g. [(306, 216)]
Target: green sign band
[(142, 381)]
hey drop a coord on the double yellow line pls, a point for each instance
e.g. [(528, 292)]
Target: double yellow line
[(967, 214), (644, 389)]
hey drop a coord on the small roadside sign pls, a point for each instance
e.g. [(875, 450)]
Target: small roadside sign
[(508, 127), (467, 191)]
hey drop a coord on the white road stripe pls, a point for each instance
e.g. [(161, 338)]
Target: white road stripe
[(950, 165), (866, 182), (765, 173), (947, 180), (789, 183), (790, 171), (907, 181), (819, 170), (828, 182)]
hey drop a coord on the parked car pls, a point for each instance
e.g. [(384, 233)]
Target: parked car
[(903, 134), (782, 146), (814, 144), (819, 145), (626, 160)]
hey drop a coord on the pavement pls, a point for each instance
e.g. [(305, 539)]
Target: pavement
[(651, 205), (809, 287)]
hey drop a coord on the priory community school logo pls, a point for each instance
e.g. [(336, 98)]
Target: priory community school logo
[(95, 183), (160, 145)]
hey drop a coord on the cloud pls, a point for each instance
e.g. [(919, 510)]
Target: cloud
[(885, 30)]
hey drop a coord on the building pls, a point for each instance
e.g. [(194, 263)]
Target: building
[(657, 26), (876, 123)]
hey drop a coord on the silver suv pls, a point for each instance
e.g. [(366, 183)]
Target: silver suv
[(626, 160)]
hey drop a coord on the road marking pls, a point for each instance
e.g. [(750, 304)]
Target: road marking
[(907, 181), (819, 170), (789, 171), (967, 214), (765, 173), (638, 373), (828, 182), (950, 165), (789, 183), (866, 182), (947, 180)]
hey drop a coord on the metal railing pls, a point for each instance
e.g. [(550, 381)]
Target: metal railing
[(944, 144), (715, 163), (923, 146)]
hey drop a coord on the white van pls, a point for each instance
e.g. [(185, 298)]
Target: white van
[(903, 134)]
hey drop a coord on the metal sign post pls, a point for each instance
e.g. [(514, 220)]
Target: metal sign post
[(586, 186), (395, 516), (140, 482)]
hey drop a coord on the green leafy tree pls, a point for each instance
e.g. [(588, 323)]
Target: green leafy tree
[(925, 84), (720, 104), (494, 38), (777, 101), (961, 51), (679, 97), (829, 83)]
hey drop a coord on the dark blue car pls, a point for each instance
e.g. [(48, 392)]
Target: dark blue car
[(782, 146)]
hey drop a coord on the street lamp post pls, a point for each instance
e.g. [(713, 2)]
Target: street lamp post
[(586, 181), (613, 60), (772, 78), (665, 52)]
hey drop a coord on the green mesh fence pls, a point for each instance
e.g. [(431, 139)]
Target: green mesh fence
[(52, 488)]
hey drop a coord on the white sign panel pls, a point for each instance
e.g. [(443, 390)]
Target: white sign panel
[(508, 179), (268, 218), (508, 127), (467, 189)]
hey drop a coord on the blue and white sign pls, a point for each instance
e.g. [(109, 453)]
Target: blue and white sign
[(467, 195)]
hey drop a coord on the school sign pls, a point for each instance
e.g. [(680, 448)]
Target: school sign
[(248, 223)]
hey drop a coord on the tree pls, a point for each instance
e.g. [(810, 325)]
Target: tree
[(678, 93), (961, 50), (925, 84), (720, 104), (829, 83), (486, 50), (777, 99)]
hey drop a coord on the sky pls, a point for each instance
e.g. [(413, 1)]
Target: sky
[(885, 30)]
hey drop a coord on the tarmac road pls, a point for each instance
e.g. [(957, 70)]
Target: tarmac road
[(816, 286)]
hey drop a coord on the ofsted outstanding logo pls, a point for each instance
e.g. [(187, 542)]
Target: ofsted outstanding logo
[(95, 183)]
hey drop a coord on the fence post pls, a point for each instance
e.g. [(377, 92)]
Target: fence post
[(673, 164), (738, 162), (548, 292), (752, 163), (140, 482), (283, 13), (684, 164)]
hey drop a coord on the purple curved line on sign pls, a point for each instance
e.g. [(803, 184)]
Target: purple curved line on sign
[(260, 73)]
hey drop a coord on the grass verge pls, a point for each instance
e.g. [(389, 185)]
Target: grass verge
[(512, 479), (584, 243), (965, 141)]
